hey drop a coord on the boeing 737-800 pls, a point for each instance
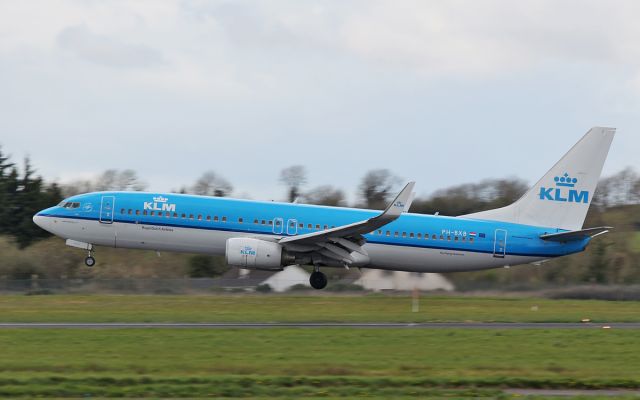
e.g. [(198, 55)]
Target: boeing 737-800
[(545, 223)]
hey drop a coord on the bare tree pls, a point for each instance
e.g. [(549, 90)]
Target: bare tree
[(619, 189), (128, 180), (212, 184), (111, 179), (294, 177), (325, 195), (376, 187)]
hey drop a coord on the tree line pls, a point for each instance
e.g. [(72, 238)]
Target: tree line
[(22, 194)]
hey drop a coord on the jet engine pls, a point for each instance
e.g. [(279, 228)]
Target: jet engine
[(256, 254)]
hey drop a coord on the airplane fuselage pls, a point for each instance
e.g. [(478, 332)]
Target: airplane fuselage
[(197, 224)]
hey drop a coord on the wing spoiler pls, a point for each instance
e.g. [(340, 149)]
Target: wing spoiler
[(576, 235)]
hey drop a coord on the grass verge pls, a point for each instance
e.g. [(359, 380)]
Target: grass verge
[(289, 308)]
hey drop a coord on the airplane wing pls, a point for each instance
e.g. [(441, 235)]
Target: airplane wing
[(576, 235), (339, 243)]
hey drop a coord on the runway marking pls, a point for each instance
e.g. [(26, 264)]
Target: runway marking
[(373, 325)]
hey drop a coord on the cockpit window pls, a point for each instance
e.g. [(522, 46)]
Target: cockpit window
[(69, 204)]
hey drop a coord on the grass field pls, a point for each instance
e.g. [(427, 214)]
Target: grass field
[(315, 363), (289, 308), (311, 362)]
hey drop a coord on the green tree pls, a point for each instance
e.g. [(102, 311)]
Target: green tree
[(203, 266)]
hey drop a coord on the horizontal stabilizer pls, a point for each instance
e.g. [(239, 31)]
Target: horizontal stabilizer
[(576, 235)]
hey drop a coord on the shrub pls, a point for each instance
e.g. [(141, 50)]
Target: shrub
[(264, 288)]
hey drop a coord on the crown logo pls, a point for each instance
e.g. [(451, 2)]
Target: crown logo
[(160, 199), (565, 180)]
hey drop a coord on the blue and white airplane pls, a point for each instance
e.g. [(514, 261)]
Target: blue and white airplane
[(545, 223)]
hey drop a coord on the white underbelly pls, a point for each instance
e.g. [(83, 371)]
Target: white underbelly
[(420, 259), (209, 241)]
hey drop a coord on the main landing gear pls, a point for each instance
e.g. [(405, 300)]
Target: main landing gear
[(318, 280), (90, 261)]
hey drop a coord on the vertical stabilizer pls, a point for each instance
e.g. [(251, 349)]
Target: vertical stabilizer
[(562, 197)]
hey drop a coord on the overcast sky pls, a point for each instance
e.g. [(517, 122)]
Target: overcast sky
[(438, 92)]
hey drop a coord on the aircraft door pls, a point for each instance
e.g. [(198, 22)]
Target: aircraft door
[(107, 207), (500, 243), (292, 227), (278, 226)]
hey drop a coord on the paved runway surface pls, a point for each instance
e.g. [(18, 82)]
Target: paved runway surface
[(431, 325)]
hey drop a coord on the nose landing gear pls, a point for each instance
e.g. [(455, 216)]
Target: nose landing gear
[(318, 280)]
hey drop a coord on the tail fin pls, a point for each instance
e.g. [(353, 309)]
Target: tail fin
[(562, 197)]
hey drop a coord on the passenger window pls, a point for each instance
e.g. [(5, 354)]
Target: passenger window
[(255, 221), (449, 238), (395, 234), (441, 237), (317, 226), (152, 213), (277, 222), (455, 238), (215, 217), (419, 235), (464, 239), (184, 215), (292, 224), (122, 211), (159, 213), (167, 214), (388, 233), (310, 226), (190, 216), (404, 234), (333, 226), (264, 222), (411, 235), (270, 222), (379, 232), (224, 219), (300, 225), (144, 212), (326, 227), (130, 211), (433, 237), (240, 220), (208, 217), (199, 217), (137, 212), (470, 240)]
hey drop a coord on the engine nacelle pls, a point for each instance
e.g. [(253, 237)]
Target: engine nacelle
[(254, 253)]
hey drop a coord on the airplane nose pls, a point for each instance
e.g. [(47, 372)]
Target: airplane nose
[(39, 220)]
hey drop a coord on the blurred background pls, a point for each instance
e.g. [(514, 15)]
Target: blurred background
[(335, 103)]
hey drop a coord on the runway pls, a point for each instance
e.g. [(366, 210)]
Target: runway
[(320, 325)]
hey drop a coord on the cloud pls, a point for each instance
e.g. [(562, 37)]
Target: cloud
[(107, 51)]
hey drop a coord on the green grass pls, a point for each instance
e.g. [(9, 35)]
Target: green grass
[(315, 363), (311, 362), (305, 308)]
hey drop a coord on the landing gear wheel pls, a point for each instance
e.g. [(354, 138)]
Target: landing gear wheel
[(318, 280), (90, 261)]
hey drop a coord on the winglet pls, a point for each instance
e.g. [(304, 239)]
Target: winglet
[(400, 203)]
